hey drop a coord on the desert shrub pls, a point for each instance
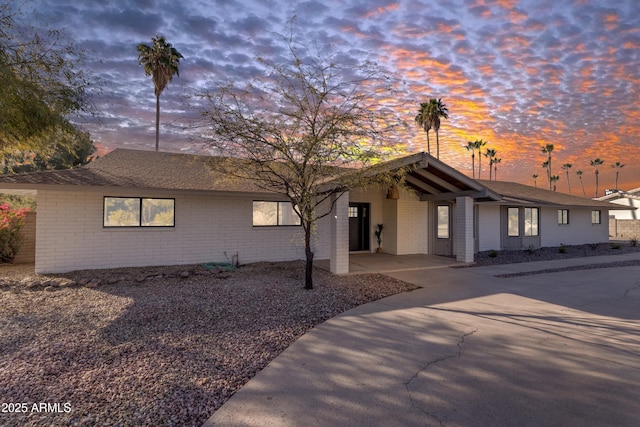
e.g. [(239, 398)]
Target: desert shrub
[(493, 253), (634, 241), (615, 246), (11, 223), (562, 249)]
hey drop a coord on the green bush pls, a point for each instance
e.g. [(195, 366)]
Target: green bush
[(615, 246), (493, 253), (11, 223), (562, 249)]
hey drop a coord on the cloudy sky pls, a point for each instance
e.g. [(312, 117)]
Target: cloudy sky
[(519, 74)]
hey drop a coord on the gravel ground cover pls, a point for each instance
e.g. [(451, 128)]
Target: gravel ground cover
[(154, 346), (552, 253)]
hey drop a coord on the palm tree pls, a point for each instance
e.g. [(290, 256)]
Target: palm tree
[(548, 149), (479, 144), (428, 118), (471, 146), (595, 163), (617, 166), (554, 179), (566, 168), (423, 119), (535, 180), (160, 61), (438, 110), (490, 154), (495, 168), (579, 173)]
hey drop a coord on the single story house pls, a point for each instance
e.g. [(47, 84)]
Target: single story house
[(144, 208), (624, 223)]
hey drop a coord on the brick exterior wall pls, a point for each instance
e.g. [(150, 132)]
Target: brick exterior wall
[(27, 252), (624, 228), (70, 234)]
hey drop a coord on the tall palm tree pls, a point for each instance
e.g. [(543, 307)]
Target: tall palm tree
[(428, 118), (495, 168), (566, 168), (160, 61), (424, 120), (438, 110), (547, 149), (479, 144), (554, 179), (490, 154), (579, 173), (617, 166), (471, 146), (595, 163), (535, 180)]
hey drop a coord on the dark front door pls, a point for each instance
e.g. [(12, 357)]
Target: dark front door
[(358, 226)]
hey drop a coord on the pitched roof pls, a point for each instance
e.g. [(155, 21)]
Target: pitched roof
[(137, 169), (520, 194)]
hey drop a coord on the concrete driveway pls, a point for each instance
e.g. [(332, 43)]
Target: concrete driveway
[(468, 349)]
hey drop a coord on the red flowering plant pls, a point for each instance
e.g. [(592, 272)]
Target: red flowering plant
[(11, 223)]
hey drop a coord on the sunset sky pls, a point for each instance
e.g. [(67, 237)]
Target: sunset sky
[(519, 74)]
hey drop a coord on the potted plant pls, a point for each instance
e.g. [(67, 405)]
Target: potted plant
[(378, 234)]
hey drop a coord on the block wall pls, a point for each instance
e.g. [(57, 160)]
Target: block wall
[(70, 235)]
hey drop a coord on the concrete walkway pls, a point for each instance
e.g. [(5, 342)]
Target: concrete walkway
[(467, 349)]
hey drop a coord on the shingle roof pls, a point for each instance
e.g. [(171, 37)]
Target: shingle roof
[(513, 192), (138, 169)]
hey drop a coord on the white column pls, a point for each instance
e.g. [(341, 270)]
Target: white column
[(339, 253), (464, 229)]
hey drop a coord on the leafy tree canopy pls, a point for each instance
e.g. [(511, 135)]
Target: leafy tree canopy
[(41, 83)]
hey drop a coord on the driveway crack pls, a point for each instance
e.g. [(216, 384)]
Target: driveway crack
[(430, 363)]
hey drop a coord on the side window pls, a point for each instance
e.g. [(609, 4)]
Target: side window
[(531, 221), (266, 213), (563, 216), (596, 217), (443, 222), (513, 222)]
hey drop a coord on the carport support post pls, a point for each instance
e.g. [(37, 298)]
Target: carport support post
[(339, 253), (464, 229)]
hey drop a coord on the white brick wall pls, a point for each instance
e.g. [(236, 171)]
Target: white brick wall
[(464, 229), (70, 235), (412, 225)]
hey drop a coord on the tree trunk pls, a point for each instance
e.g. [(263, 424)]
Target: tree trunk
[(473, 164), (157, 120), (437, 146), (308, 276), (428, 144)]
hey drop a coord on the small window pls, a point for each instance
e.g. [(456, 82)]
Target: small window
[(274, 214), (138, 212), (513, 222), (531, 221), (596, 217), (443, 222), (353, 212), (563, 216)]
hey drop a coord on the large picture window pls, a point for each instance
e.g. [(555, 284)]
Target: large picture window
[(274, 214), (138, 212)]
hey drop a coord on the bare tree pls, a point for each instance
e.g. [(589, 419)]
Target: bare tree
[(307, 130)]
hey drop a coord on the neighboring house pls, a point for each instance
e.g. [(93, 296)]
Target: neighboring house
[(624, 223), (143, 208)]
